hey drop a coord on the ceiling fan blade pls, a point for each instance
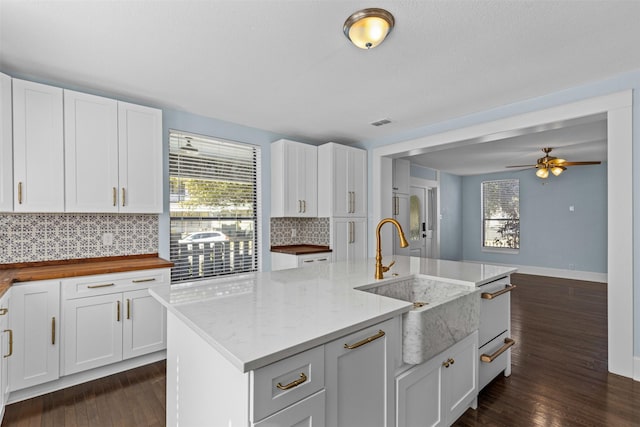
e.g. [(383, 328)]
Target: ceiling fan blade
[(579, 163), (521, 166)]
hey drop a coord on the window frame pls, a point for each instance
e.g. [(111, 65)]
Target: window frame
[(483, 220), (256, 208)]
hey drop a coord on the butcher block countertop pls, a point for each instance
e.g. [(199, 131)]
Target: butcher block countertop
[(300, 249), (26, 272)]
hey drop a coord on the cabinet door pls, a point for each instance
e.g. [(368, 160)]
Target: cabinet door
[(6, 145), (140, 158), (340, 181), (309, 412), (358, 181), (92, 332), (401, 176), (144, 328), (360, 377), (4, 350), (91, 153), (37, 148), (419, 402), (349, 239), (461, 377), (34, 320), (307, 174)]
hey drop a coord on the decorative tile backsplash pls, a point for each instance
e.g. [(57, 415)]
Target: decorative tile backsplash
[(46, 237), (311, 231)]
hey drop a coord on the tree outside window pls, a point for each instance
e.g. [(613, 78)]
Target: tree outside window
[(501, 214)]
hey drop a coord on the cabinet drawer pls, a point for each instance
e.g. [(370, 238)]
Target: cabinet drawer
[(489, 370), (308, 412), (314, 259), (103, 284), (283, 383), (495, 311)]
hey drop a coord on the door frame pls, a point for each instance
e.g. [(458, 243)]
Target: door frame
[(618, 108), (427, 184)]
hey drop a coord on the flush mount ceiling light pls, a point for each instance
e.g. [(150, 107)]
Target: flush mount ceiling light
[(367, 28)]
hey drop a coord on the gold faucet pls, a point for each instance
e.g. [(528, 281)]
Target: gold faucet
[(380, 269)]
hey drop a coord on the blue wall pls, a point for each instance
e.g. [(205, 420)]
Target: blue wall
[(550, 234)]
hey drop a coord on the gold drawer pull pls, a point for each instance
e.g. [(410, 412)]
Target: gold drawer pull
[(128, 309), (53, 331), (380, 334), (293, 384), (118, 310), (152, 279), (19, 193), (10, 342), (122, 196), (106, 285), (115, 196), (308, 260), (487, 295), (321, 259), (508, 342), (3, 311)]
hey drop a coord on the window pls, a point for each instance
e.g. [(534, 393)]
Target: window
[(214, 206), (501, 214)]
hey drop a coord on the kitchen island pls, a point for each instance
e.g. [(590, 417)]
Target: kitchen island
[(263, 348)]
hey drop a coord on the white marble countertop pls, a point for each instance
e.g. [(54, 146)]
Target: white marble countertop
[(259, 318)]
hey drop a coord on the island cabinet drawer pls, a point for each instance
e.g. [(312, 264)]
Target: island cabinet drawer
[(495, 357), (283, 383), (103, 284), (495, 309)]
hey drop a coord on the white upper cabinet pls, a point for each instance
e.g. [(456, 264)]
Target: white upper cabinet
[(342, 178), (294, 179), (6, 142), (38, 150), (401, 176), (91, 153), (113, 155), (140, 158)]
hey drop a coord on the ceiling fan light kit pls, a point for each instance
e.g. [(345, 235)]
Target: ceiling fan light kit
[(552, 164)]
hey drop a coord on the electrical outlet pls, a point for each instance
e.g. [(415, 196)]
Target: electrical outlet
[(293, 232), (107, 239)]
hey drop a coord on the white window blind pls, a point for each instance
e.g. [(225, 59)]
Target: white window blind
[(214, 206), (501, 214)]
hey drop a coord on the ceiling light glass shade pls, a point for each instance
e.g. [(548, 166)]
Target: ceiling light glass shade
[(557, 170), (367, 28), (542, 173)]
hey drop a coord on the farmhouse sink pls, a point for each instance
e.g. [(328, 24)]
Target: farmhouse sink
[(443, 314)]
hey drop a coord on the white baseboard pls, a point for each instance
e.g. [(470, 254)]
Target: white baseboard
[(589, 276), (83, 377), (636, 368)]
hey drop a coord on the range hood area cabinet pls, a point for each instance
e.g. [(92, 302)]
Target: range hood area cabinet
[(342, 191), (294, 179), (74, 152)]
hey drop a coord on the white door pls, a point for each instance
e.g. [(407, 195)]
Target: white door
[(422, 222), (34, 320), (140, 158), (38, 148), (93, 332), (419, 400), (6, 145), (144, 328), (90, 152)]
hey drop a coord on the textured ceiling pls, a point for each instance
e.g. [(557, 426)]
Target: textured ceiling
[(286, 67)]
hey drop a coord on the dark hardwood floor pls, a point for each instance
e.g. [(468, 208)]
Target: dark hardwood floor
[(559, 375), (559, 363)]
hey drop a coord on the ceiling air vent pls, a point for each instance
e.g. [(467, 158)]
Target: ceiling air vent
[(381, 122)]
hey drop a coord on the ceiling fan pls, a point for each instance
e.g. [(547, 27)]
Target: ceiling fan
[(551, 164)]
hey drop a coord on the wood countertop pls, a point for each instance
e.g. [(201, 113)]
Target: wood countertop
[(25, 272), (300, 249)]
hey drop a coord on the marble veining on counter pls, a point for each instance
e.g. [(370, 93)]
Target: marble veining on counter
[(256, 319)]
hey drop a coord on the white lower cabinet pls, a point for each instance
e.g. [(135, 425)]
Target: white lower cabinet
[(359, 372), (281, 261), (34, 322), (328, 385), (439, 391), (109, 318), (306, 413), (5, 350)]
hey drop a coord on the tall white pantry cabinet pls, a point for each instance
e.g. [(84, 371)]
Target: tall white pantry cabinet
[(342, 196)]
